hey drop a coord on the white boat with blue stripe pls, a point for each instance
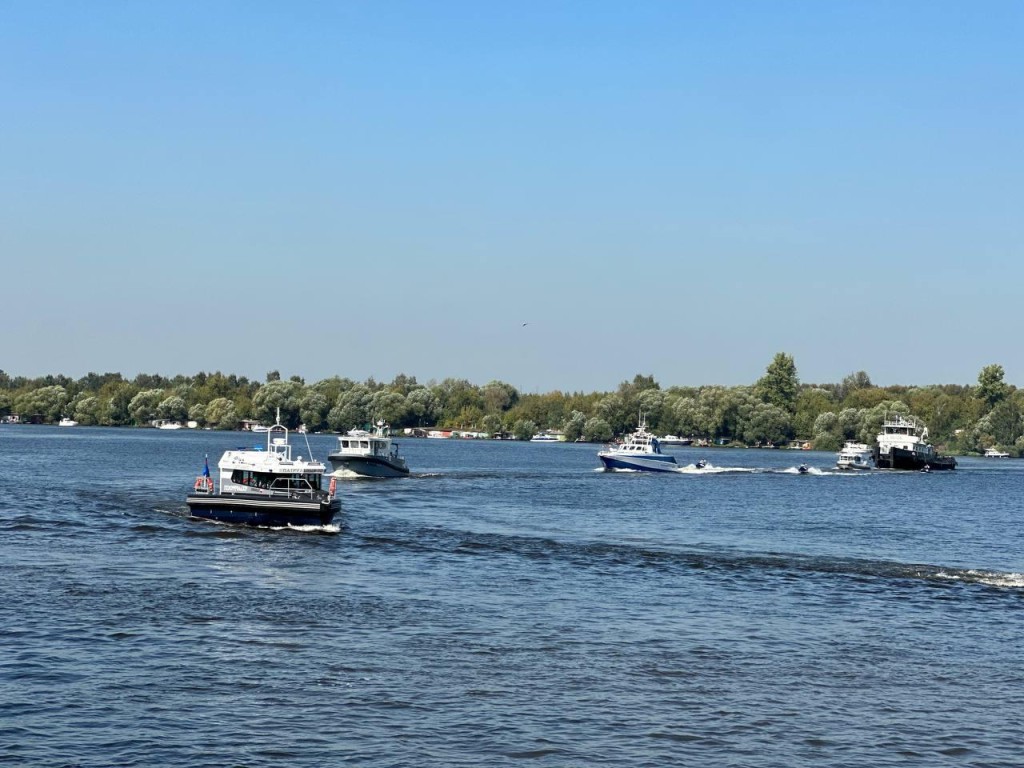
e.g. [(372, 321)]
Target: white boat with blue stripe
[(639, 452)]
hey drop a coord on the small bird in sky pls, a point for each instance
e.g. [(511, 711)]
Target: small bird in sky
[(525, 324)]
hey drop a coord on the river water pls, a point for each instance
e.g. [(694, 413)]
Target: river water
[(508, 605)]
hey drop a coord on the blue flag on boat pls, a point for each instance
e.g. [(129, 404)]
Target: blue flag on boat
[(206, 466)]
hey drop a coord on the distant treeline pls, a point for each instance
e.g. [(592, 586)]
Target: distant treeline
[(775, 409)]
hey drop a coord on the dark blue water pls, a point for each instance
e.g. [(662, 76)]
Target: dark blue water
[(509, 606)]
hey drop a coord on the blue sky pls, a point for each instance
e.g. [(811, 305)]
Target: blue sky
[(362, 189)]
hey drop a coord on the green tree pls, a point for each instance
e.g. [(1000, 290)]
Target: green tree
[(47, 402), (220, 414), (1001, 426), (173, 408), (597, 431), (279, 395), (498, 396), (617, 412), (575, 426), (491, 424), (456, 395), (524, 429), (145, 406), (852, 383), (352, 409), (389, 406), (779, 385), (810, 403), (826, 433), (119, 396), (403, 384), (89, 410), (766, 423), (423, 407), (991, 387), (313, 409)]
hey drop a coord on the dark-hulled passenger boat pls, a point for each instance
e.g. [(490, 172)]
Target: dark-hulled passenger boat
[(266, 488)]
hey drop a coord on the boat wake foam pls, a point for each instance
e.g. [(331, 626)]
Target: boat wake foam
[(711, 469), (713, 561), (988, 578)]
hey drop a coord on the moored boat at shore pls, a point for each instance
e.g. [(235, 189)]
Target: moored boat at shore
[(265, 487), (903, 444), (995, 453), (675, 440)]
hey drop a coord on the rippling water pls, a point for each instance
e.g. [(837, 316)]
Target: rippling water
[(509, 605)]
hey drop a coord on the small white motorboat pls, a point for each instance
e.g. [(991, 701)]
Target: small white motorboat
[(855, 456), (995, 453)]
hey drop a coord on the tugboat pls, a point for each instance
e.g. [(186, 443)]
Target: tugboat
[(640, 451), (362, 454), (903, 444), (266, 488)]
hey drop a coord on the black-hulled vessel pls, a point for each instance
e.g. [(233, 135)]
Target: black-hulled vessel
[(266, 488), (903, 444)]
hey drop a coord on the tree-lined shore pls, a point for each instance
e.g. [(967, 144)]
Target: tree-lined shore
[(773, 410)]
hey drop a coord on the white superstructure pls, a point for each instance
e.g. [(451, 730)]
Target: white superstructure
[(855, 455)]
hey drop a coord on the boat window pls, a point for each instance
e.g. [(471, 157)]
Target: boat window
[(344, 443), (364, 444)]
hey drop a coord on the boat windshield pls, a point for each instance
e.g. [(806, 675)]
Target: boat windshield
[(274, 481)]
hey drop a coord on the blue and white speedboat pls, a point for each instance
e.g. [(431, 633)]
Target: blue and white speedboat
[(265, 488), (639, 452)]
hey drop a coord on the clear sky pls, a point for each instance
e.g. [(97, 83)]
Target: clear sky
[(673, 188)]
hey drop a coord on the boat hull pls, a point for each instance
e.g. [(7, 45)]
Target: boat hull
[(366, 466), (246, 509), (900, 458), (655, 462), (850, 467)]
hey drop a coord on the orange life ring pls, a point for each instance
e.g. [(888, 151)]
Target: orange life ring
[(333, 486)]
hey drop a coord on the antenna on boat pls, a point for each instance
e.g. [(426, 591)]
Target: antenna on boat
[(308, 449)]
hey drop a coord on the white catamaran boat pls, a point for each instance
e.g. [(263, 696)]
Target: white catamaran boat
[(364, 454), (640, 452), (675, 440), (995, 453), (265, 487), (856, 456)]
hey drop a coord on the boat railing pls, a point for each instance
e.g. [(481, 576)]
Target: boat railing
[(284, 486)]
